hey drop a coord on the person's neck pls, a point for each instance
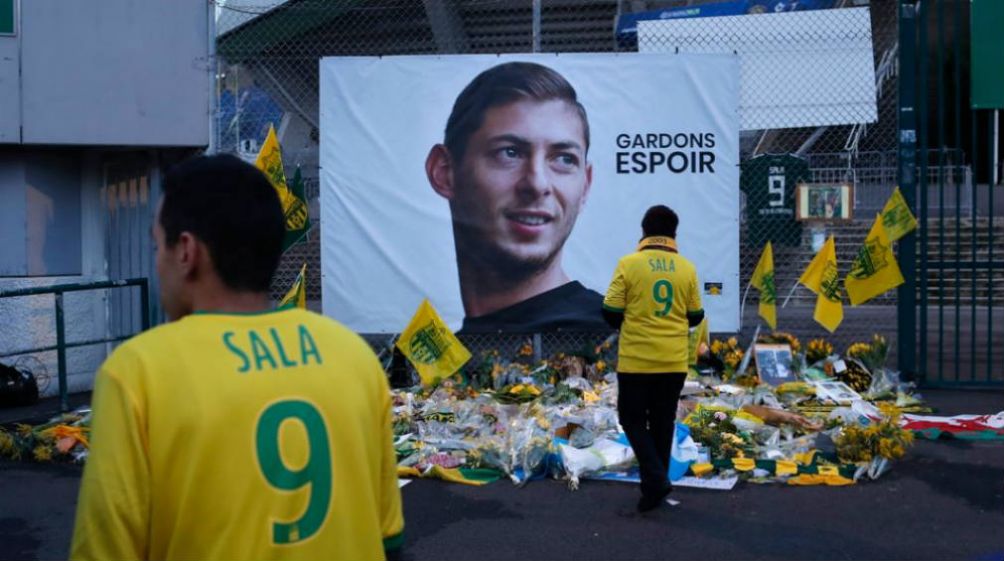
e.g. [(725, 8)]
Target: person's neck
[(220, 299), (483, 291)]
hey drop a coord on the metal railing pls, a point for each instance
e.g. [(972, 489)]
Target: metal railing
[(61, 344)]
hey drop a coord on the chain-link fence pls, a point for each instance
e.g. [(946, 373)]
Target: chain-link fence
[(268, 53)]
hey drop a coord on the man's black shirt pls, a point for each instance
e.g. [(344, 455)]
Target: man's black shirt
[(569, 307)]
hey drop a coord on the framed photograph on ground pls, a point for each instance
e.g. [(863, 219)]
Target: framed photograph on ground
[(836, 391), (824, 201), (773, 363)]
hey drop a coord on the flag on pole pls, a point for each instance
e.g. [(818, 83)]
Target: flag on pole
[(269, 161), (897, 219), (430, 345), (297, 219), (294, 207), (297, 295), (821, 278), (875, 269), (763, 281)]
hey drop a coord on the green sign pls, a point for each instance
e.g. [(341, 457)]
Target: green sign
[(988, 54), (7, 17)]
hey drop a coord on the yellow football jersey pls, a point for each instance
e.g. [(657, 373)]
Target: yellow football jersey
[(656, 290), (221, 436)]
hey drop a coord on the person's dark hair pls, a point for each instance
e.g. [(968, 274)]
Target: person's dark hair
[(660, 220), (230, 206), (501, 85)]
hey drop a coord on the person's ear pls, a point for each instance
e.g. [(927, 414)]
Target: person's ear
[(188, 253), (439, 170)]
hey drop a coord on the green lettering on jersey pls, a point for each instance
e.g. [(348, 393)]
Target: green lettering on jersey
[(278, 347), (308, 347), (245, 363), (659, 265), (261, 352)]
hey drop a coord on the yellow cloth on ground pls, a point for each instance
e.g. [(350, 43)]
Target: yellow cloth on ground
[(820, 479)]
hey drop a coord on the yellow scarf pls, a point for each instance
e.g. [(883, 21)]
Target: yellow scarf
[(661, 242)]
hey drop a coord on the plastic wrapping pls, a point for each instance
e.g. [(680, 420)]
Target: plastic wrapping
[(604, 455)]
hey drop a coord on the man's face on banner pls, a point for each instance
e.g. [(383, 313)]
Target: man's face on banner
[(521, 183)]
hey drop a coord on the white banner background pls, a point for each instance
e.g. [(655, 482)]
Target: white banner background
[(386, 236)]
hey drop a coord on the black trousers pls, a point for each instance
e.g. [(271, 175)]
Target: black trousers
[(646, 406)]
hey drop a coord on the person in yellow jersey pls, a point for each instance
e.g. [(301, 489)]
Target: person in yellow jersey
[(653, 299), (236, 431)]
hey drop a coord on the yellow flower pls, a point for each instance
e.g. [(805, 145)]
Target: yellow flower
[(6, 443), (533, 390), (526, 349), (733, 342), (734, 358), (590, 396), (731, 438), (42, 453), (516, 389), (601, 366)]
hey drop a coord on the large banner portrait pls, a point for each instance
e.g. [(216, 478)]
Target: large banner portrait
[(505, 188)]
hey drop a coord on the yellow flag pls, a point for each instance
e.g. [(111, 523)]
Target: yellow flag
[(897, 219), (269, 161), (875, 269), (763, 280), (430, 345), (821, 277), (297, 295), (697, 336)]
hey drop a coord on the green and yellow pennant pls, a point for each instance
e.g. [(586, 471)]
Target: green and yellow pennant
[(897, 219), (432, 348), (763, 281), (296, 297), (821, 278), (292, 198), (875, 269)]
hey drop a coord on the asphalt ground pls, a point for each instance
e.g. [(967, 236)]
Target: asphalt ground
[(944, 500)]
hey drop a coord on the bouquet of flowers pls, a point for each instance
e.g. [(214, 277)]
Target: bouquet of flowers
[(782, 338), (872, 354), (63, 438), (716, 429), (882, 439), (731, 356), (817, 350)]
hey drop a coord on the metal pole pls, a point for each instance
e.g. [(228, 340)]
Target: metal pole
[(536, 26), (64, 399), (906, 343), (214, 81), (996, 150), (144, 305)]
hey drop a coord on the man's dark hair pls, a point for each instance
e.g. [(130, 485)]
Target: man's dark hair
[(660, 220), (501, 85), (230, 206)]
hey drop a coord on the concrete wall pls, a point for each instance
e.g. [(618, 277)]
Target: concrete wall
[(10, 91), (29, 322), (114, 72)]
